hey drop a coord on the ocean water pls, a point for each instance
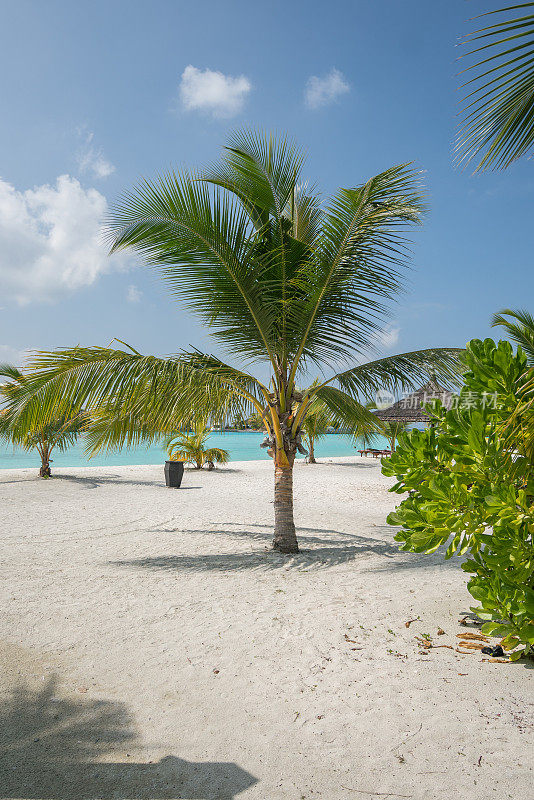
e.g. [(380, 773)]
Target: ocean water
[(242, 446)]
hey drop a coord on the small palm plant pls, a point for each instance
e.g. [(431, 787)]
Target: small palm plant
[(58, 433), (191, 448), (284, 282)]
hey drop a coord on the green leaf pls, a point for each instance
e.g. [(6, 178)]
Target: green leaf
[(498, 106), (516, 655)]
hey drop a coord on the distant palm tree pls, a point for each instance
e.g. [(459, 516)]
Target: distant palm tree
[(58, 433), (498, 123), (191, 448), (255, 422), (281, 281), (388, 430), (392, 430), (520, 331), (315, 425), (320, 420)]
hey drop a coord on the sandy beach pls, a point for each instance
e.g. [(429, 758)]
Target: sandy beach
[(152, 647)]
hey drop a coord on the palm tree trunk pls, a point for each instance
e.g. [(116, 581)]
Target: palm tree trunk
[(45, 471), (285, 539), (311, 454)]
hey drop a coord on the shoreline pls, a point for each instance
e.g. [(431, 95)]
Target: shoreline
[(60, 469)]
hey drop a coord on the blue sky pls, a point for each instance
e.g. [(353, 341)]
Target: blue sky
[(101, 93)]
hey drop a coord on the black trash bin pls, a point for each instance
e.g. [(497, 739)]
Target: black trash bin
[(174, 472)]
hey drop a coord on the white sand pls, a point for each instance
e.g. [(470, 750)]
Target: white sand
[(161, 652)]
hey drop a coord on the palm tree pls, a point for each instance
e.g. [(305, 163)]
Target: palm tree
[(191, 448), (498, 109), (58, 433), (255, 422), (315, 425), (283, 283), (319, 420), (520, 331), (392, 430)]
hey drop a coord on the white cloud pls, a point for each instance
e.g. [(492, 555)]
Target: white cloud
[(388, 338), (133, 294), (219, 94), (320, 92), (12, 355), (50, 240), (91, 160)]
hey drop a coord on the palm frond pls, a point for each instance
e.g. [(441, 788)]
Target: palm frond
[(263, 173), (202, 244), (498, 110), (402, 372), (131, 398), (261, 170), (356, 265), (521, 332), (11, 372), (305, 213), (347, 412), (57, 430)]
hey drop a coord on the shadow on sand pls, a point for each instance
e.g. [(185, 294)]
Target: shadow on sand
[(89, 482), (114, 480), (57, 749), (320, 548)]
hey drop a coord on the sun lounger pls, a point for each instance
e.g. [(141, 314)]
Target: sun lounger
[(375, 453)]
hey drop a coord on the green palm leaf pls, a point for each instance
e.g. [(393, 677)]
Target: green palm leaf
[(346, 412), (261, 171), (132, 398), (521, 331), (357, 265), (402, 372), (203, 245), (498, 110)]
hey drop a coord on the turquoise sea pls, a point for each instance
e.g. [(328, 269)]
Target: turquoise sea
[(243, 446)]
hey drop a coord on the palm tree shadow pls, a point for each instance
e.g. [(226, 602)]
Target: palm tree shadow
[(320, 548), (58, 749), (116, 480)]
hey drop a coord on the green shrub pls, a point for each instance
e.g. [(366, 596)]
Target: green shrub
[(471, 485)]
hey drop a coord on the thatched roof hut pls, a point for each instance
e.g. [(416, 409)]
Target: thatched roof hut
[(410, 408)]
